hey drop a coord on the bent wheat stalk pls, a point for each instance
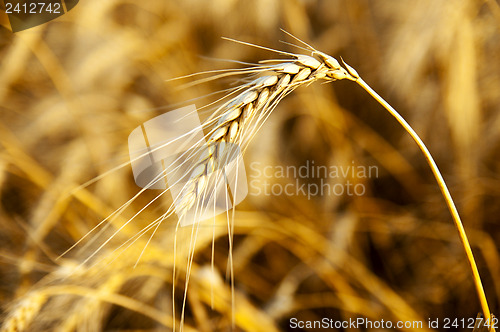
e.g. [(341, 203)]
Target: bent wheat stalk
[(261, 96), (444, 190)]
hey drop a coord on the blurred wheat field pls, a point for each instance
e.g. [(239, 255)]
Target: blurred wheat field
[(73, 89)]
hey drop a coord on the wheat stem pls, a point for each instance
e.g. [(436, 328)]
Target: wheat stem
[(444, 190)]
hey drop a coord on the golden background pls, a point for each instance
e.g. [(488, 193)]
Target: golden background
[(73, 89)]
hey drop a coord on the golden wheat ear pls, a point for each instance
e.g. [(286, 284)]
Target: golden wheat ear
[(354, 76), (238, 120)]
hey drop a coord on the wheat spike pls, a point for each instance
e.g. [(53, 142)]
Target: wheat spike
[(245, 113), (237, 120), (23, 314), (240, 117)]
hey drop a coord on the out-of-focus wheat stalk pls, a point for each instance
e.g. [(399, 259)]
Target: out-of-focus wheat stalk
[(24, 312)]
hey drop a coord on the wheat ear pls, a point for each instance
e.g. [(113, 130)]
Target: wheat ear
[(244, 114), (237, 120), (23, 314)]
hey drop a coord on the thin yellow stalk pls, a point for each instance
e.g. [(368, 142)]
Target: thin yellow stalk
[(442, 186)]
